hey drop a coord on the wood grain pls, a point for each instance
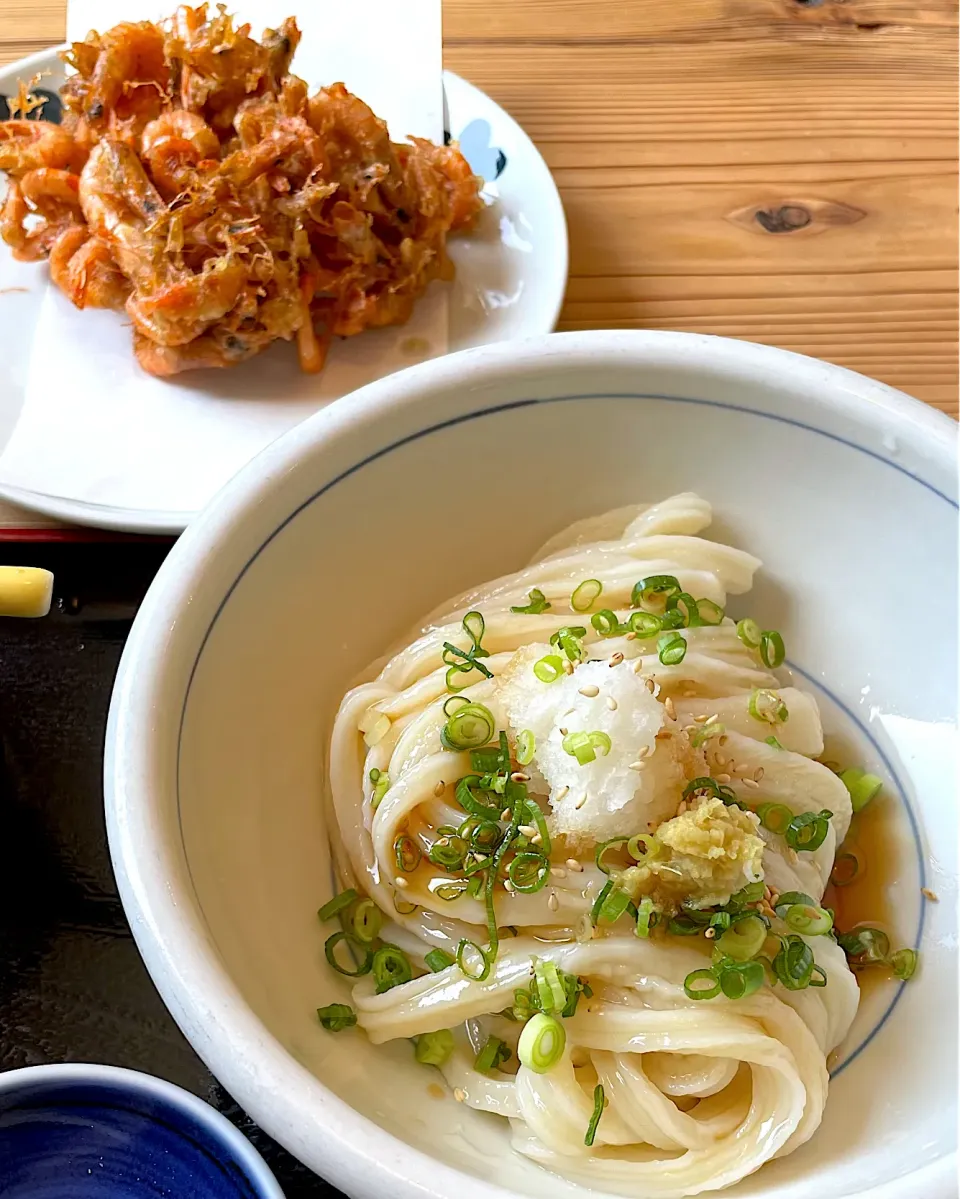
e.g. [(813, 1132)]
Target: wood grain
[(776, 170)]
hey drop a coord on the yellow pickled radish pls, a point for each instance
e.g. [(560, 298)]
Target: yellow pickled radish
[(25, 591)]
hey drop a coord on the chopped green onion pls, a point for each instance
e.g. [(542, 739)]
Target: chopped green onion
[(468, 728), (749, 633), (808, 919), (647, 916), (903, 963), (613, 843), (645, 624), (549, 668), (486, 760), (740, 979), (491, 1055), (685, 925), (583, 746), (534, 816), (709, 612), (448, 892), (845, 869), (818, 978), (391, 967), (483, 835), (475, 975), (746, 895), (473, 803), (336, 905), (671, 648), (404, 906), (538, 603), (438, 959), (744, 939), (771, 740), (448, 852), (606, 622), (794, 964), (599, 1103), (686, 608), (701, 984), (585, 594), (767, 706), (407, 854), (474, 626), (459, 660), (366, 921), (541, 1043), (335, 1017), (789, 898), (704, 732), (654, 587), (381, 785), (570, 640), (330, 953), (862, 787), (526, 746), (808, 831), (867, 944), (706, 786), (616, 901), (550, 990), (434, 1048), (528, 872), (775, 817), (459, 700), (644, 846), (772, 651)]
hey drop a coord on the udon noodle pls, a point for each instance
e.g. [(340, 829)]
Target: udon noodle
[(581, 800)]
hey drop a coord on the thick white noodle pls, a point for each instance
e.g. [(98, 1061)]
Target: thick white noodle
[(699, 1094)]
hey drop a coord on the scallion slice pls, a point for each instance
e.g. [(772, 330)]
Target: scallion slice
[(655, 587), (772, 651), (613, 843), (491, 1055), (549, 668), (846, 868), (448, 852), (475, 971), (381, 785), (686, 608), (647, 916), (599, 1103), (740, 979), (862, 787), (749, 633), (743, 940), (775, 817), (438, 959), (366, 920), (584, 746), (407, 854), (903, 963), (434, 1048), (644, 846), (335, 1017), (474, 626), (541, 1043), (526, 747), (330, 953), (767, 706), (391, 967), (333, 907), (570, 640), (615, 903), (471, 726), (606, 622), (772, 741), (701, 984), (584, 595), (671, 649), (704, 732), (866, 944), (645, 624), (808, 919), (538, 603), (709, 612), (808, 830), (794, 964), (528, 872), (550, 990)]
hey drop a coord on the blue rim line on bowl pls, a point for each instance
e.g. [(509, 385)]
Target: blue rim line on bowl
[(526, 403)]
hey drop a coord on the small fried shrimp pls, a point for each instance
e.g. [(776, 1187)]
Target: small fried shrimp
[(84, 270), (48, 186), (179, 310), (184, 125), (119, 203), (130, 66), (29, 145), (204, 353)]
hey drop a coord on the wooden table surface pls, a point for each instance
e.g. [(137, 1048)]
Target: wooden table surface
[(778, 170)]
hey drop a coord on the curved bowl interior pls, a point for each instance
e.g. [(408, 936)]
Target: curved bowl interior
[(341, 535)]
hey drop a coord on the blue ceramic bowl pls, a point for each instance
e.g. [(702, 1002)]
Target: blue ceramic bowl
[(96, 1132)]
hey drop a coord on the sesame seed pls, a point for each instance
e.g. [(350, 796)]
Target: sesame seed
[(460, 1095), (552, 902), (507, 885), (440, 788), (712, 719), (629, 636), (536, 839), (689, 694), (527, 830), (758, 774), (611, 703), (638, 669), (750, 783), (699, 720), (590, 690), (615, 659), (568, 666), (767, 893), (793, 856), (710, 933), (401, 883), (723, 740), (581, 801), (573, 864), (720, 760), (563, 731), (636, 765), (519, 777), (558, 872), (644, 751), (722, 778), (931, 895), (668, 707), (563, 793), (507, 815)]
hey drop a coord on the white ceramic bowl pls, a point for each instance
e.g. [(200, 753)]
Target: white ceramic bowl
[(340, 535)]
